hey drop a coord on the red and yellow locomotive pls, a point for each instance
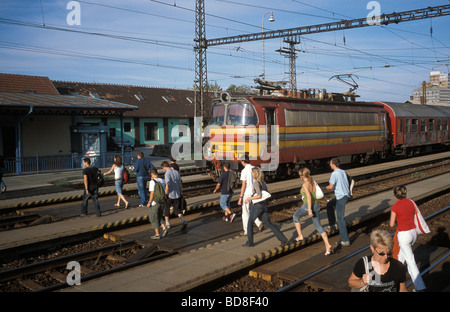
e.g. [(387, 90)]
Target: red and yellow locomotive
[(285, 133)]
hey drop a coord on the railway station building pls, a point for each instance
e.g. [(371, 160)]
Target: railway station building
[(37, 122), (41, 117), (160, 109)]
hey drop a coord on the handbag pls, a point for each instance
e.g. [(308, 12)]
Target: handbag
[(264, 195), (419, 221), (319, 193), (365, 288)]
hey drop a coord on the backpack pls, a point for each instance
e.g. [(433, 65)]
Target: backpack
[(99, 179), (232, 181), (126, 175), (158, 195)]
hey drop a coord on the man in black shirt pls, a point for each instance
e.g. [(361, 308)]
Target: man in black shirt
[(90, 187)]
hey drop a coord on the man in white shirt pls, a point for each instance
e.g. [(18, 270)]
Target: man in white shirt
[(247, 191)]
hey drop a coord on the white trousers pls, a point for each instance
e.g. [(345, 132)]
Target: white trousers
[(405, 240), (246, 214)]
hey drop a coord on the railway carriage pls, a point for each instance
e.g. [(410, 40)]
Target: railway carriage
[(415, 129)]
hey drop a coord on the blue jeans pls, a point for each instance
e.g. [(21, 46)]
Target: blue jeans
[(225, 201), (339, 205), (94, 195), (260, 209), (141, 184), (303, 211)]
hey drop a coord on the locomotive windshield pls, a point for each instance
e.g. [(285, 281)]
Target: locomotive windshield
[(218, 115), (242, 114)]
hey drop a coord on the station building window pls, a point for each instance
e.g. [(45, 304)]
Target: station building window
[(127, 126), (151, 131)]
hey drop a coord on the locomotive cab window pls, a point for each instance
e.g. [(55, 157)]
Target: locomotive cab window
[(218, 115), (241, 115)]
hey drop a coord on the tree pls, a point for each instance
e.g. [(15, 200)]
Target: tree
[(240, 89)]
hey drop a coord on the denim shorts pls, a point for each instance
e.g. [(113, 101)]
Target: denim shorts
[(118, 184), (225, 201), (303, 211)]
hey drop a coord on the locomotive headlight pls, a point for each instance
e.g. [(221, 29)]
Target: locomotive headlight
[(225, 97)]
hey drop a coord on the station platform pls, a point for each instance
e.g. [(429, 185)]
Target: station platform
[(45, 180), (24, 236), (185, 271), (38, 186)]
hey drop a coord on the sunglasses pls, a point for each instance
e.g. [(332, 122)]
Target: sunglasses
[(382, 254)]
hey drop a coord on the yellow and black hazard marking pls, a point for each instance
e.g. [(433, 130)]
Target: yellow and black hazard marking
[(120, 223)]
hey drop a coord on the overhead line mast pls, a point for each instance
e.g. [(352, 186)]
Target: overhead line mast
[(202, 43)]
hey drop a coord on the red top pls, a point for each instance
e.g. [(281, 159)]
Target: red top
[(404, 210)]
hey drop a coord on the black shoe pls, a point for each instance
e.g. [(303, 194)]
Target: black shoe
[(184, 226)]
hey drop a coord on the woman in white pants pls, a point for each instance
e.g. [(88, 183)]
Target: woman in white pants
[(403, 212)]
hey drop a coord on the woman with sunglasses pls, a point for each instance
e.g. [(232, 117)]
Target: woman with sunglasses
[(403, 213), (385, 274)]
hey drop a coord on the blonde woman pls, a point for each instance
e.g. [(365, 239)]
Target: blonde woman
[(310, 207), (384, 274), (118, 176), (260, 209)]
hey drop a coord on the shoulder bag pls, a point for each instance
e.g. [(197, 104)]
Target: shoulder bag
[(319, 193), (419, 221), (365, 288)]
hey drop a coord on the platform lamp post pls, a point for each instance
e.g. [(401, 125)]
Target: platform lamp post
[(271, 19)]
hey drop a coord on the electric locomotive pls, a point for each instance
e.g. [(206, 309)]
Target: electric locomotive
[(282, 134)]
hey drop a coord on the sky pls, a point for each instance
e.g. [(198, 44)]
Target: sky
[(151, 43)]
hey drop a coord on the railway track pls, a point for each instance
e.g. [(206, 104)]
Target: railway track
[(279, 214)]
